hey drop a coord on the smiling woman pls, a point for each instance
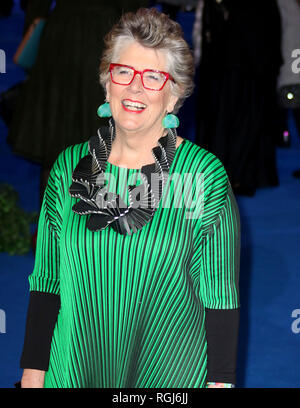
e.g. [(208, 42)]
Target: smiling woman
[(127, 292)]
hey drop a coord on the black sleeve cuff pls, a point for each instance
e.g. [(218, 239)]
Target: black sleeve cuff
[(41, 319), (222, 326)]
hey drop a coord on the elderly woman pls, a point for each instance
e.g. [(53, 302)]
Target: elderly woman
[(135, 281)]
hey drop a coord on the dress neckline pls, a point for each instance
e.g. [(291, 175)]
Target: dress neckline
[(148, 166)]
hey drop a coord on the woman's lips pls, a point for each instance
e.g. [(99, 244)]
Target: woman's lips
[(133, 106)]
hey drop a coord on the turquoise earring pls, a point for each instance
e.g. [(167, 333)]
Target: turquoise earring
[(104, 110), (170, 121)]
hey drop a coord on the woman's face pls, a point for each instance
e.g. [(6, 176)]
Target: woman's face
[(122, 98)]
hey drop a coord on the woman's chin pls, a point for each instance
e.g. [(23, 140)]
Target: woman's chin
[(130, 125)]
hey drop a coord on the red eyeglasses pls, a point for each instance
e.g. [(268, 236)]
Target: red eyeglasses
[(151, 79)]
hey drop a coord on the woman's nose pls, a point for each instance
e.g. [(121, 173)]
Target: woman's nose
[(136, 84)]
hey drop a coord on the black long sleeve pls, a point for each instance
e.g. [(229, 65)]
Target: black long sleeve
[(222, 326), (42, 315)]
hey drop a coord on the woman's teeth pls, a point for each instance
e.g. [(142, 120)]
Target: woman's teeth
[(134, 106)]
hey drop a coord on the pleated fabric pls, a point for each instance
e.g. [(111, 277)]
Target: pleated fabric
[(58, 104), (133, 307)]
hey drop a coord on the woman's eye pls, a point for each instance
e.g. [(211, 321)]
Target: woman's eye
[(124, 72), (153, 77)]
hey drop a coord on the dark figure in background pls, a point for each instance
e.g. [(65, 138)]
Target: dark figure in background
[(289, 76), (59, 101), (237, 104)]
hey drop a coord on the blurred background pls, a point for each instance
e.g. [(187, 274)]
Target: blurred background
[(245, 109)]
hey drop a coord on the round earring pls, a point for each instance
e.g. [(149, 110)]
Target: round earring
[(104, 110), (170, 121)]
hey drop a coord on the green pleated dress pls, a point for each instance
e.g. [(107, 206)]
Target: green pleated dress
[(133, 307)]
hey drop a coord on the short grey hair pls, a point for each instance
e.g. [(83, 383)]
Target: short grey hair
[(155, 30)]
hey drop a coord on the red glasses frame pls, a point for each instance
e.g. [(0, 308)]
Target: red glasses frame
[(167, 75)]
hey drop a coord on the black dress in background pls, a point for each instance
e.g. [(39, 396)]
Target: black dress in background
[(237, 104), (58, 105)]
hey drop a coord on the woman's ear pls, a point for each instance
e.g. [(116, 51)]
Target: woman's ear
[(172, 103)]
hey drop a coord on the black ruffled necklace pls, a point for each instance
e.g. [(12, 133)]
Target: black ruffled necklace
[(105, 208)]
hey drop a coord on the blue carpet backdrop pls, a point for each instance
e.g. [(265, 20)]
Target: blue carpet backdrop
[(270, 260)]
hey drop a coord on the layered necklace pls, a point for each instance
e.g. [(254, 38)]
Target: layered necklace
[(104, 208)]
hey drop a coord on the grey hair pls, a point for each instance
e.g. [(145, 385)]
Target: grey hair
[(155, 30)]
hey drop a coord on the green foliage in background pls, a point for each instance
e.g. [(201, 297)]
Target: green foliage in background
[(15, 236)]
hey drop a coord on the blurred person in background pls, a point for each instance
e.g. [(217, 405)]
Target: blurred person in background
[(237, 101), (289, 77)]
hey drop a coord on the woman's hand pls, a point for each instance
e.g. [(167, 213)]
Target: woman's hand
[(33, 378)]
